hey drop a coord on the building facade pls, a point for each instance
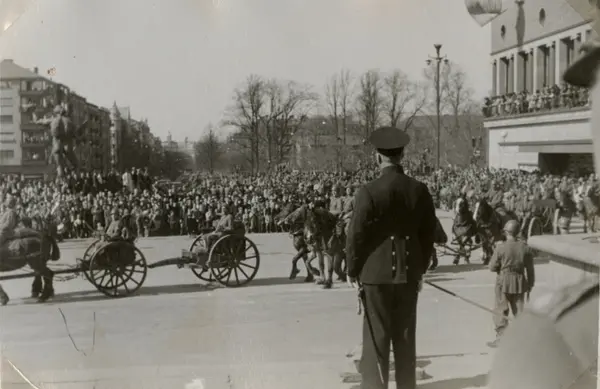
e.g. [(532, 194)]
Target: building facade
[(544, 123), (10, 126), (33, 98), (107, 138)]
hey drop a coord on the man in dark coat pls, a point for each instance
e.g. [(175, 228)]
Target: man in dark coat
[(389, 246)]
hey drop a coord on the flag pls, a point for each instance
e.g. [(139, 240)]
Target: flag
[(484, 11)]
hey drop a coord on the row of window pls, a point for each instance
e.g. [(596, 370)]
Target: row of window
[(24, 85), (6, 155), (521, 66)]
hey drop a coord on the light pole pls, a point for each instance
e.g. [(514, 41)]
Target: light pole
[(438, 59)]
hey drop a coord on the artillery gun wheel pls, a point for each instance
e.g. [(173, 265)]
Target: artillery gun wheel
[(201, 272), (234, 260), (535, 228), (87, 257), (117, 269)]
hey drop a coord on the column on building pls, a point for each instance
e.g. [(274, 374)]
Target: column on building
[(578, 41), (494, 78), (553, 63), (530, 71), (563, 58), (520, 75), (538, 68), (511, 74), (502, 71)]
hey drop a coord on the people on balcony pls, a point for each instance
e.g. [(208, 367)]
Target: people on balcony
[(546, 99), (36, 139)]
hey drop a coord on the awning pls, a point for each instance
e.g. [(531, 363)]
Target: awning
[(577, 146)]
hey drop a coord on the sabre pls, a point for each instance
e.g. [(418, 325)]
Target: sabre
[(362, 303), (466, 300)]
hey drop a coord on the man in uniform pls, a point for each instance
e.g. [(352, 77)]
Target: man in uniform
[(348, 207), (389, 245), (336, 208), (114, 231), (512, 261), (556, 344), (9, 220)]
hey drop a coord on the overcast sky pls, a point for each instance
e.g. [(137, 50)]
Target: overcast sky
[(177, 62)]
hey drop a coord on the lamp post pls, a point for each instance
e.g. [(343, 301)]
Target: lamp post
[(438, 59)]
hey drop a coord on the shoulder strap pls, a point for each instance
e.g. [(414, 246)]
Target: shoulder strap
[(557, 304)]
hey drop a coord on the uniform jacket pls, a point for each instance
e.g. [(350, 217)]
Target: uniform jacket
[(297, 218), (8, 222), (225, 224), (495, 198), (348, 206), (513, 262), (114, 230), (390, 212)]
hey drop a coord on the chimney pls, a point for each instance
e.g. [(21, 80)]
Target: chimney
[(36, 70)]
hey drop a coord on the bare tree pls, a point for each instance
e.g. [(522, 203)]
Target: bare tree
[(289, 104), (462, 120), (208, 150), (245, 117), (369, 102), (339, 91), (403, 99)]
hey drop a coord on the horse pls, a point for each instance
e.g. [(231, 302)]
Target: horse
[(295, 220), (490, 223), (464, 229), (34, 248), (321, 238), (591, 211), (566, 209)]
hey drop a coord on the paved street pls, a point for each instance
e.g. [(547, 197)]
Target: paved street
[(274, 333)]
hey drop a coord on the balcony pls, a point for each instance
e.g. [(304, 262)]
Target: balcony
[(34, 92), (35, 156), (525, 105), (38, 140)]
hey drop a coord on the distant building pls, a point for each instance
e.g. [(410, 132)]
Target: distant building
[(33, 97), (533, 43), (10, 127), (186, 147), (317, 145)]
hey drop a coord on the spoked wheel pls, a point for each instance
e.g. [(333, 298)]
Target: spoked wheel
[(234, 260), (91, 249), (87, 257), (201, 272), (536, 227), (547, 220), (118, 269)]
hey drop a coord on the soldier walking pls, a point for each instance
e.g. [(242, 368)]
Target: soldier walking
[(512, 261), (388, 249)]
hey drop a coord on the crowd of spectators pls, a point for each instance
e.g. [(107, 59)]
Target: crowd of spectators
[(36, 139), (159, 208), (546, 99)]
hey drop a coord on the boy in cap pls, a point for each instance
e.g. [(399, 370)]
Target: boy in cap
[(389, 246)]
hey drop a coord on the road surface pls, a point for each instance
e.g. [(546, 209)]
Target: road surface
[(274, 333)]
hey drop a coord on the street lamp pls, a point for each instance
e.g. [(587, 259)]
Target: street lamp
[(438, 59)]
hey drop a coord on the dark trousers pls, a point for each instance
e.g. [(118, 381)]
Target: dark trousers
[(505, 303), (392, 319)]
